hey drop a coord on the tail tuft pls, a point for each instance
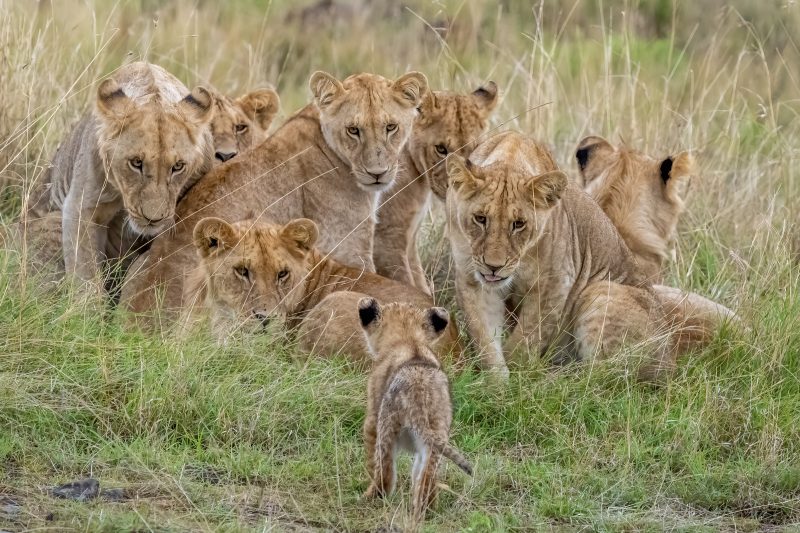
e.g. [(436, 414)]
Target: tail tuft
[(458, 458)]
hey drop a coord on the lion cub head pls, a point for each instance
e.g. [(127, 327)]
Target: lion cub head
[(500, 200), (250, 270), (150, 148), (242, 123), (643, 196), (448, 123), (367, 120), (391, 326)]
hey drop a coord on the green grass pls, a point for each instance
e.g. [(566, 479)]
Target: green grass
[(241, 437)]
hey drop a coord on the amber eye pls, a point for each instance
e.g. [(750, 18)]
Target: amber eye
[(282, 274), (136, 164), (243, 272), (178, 167), (240, 128), (391, 127), (480, 220), (352, 130), (518, 225), (441, 149)]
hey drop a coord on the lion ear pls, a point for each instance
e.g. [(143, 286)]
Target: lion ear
[(458, 172), (302, 232), (588, 149), (112, 102), (212, 235), (411, 88), (676, 173), (198, 105), (437, 320), (369, 312), (260, 106), (548, 188), (486, 96), (325, 88)]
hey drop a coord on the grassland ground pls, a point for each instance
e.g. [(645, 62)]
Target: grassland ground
[(241, 437)]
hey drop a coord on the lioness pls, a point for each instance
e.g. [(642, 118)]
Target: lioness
[(643, 197), (408, 399), (522, 236), (328, 162), (448, 122), (145, 142), (250, 272)]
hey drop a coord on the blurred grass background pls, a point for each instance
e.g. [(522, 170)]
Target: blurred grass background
[(241, 438)]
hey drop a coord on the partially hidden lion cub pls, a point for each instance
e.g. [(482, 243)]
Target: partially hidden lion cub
[(145, 142), (241, 123), (524, 238), (328, 162), (408, 399), (250, 272), (643, 197), (448, 122)]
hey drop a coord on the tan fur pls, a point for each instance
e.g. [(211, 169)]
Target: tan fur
[(448, 122), (218, 287), (143, 117), (643, 197), (408, 399), (236, 126), (524, 238), (241, 124), (310, 167)]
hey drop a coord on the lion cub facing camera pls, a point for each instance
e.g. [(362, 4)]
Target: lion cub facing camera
[(408, 398)]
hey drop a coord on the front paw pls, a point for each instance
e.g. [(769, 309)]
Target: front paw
[(373, 492)]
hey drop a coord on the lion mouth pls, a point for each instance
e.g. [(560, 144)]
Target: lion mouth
[(370, 183), (491, 279), (147, 227)]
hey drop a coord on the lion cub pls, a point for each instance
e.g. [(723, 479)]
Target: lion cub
[(408, 398)]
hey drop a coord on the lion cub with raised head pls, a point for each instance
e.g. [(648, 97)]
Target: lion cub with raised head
[(643, 196), (408, 398)]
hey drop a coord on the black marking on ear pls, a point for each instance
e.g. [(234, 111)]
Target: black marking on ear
[(369, 313), (666, 169), (116, 94), (437, 321), (582, 156), (192, 100), (212, 242)]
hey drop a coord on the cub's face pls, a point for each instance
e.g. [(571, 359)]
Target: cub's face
[(397, 324), (449, 123), (643, 196), (501, 211), (254, 271), (240, 124), (367, 120), (151, 150)]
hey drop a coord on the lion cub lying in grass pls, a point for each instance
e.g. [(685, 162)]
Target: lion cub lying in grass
[(250, 272), (525, 239), (408, 399)]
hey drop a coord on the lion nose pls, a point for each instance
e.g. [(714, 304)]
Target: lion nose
[(493, 268), (261, 317), (224, 156)]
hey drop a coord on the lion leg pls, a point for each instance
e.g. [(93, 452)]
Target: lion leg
[(484, 312), (613, 316), (423, 489)]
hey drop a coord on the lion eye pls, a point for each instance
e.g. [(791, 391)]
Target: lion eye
[(282, 274), (178, 167), (391, 127), (354, 131), (243, 272), (240, 128), (480, 220), (441, 149), (517, 225), (136, 164)]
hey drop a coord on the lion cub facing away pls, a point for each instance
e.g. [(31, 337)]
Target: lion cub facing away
[(408, 398)]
